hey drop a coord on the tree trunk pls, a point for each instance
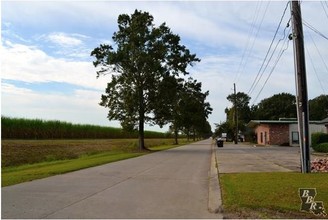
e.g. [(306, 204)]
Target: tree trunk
[(176, 135), (141, 122), (141, 135), (194, 135)]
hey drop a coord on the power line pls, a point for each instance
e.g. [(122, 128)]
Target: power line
[(323, 6), (314, 29), (256, 80), (252, 45), (281, 52), (315, 70), (312, 63), (248, 38), (323, 60)]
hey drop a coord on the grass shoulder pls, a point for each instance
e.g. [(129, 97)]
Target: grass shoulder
[(87, 154), (269, 195)]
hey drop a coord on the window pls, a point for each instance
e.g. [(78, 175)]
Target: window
[(295, 138)]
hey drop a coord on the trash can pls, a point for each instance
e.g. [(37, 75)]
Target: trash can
[(219, 142)]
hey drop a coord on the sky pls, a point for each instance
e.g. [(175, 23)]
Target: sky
[(47, 71)]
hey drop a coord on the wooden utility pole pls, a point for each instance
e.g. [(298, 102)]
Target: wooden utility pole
[(235, 115), (301, 86)]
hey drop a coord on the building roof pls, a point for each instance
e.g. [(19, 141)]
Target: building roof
[(254, 123), (324, 121)]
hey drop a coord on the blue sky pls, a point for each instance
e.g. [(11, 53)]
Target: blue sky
[(47, 71)]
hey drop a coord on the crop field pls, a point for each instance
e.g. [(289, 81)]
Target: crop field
[(20, 128), (34, 148)]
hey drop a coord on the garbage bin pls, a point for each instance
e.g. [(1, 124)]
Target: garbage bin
[(219, 142)]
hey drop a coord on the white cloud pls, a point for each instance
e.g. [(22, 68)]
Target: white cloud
[(30, 64), (11, 89), (64, 40), (216, 30), (79, 107)]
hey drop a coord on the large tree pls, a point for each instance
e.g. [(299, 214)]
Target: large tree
[(193, 108), (185, 108), (241, 101), (318, 107), (282, 105), (143, 57)]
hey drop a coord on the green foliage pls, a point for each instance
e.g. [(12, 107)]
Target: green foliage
[(319, 142), (20, 128), (282, 105), (241, 100), (15, 175), (193, 110), (323, 147), (318, 108), (145, 56), (318, 138)]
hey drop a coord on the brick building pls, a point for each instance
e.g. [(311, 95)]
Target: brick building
[(282, 132)]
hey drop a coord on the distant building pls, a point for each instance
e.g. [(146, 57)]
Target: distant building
[(325, 123), (283, 131)]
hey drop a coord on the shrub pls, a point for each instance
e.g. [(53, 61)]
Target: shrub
[(323, 147), (318, 138)]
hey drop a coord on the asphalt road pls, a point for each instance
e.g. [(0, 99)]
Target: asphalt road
[(242, 158), (166, 184)]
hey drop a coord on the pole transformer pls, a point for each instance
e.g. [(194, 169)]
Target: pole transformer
[(301, 85)]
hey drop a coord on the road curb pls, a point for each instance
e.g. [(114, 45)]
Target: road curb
[(214, 191)]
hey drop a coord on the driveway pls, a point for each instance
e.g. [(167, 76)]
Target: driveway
[(166, 184), (247, 158)]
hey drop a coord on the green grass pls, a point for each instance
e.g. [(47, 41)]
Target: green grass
[(269, 195), (24, 173), (20, 152), (88, 153)]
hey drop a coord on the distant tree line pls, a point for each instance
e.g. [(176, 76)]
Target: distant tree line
[(282, 105)]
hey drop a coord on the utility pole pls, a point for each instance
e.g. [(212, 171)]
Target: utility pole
[(235, 115), (301, 86)]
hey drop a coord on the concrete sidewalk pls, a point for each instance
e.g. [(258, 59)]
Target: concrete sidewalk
[(242, 158), (166, 184)]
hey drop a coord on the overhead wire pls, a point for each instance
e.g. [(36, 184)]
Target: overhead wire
[(315, 70), (312, 63), (258, 6), (323, 60), (260, 72), (314, 29), (281, 52), (323, 6), (250, 50)]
